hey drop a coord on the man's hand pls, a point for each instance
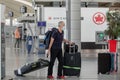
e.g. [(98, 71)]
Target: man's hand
[(50, 45), (48, 52), (71, 43)]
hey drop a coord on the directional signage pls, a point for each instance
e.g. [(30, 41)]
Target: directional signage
[(41, 24)]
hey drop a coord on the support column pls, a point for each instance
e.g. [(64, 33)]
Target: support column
[(73, 21), (40, 17), (2, 42), (11, 21)]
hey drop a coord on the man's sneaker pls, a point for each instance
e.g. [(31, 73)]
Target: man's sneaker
[(50, 77), (61, 77)]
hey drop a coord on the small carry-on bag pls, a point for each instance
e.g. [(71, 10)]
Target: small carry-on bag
[(107, 62), (72, 63), (41, 63), (104, 63)]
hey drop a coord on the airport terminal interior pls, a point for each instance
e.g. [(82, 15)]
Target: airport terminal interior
[(93, 25)]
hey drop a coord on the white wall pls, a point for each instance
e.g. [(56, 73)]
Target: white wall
[(53, 16), (88, 27)]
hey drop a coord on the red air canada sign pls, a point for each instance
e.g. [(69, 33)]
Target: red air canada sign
[(99, 18)]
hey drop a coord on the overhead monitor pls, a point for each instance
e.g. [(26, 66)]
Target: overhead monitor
[(41, 24)]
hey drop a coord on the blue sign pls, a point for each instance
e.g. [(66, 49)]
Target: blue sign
[(41, 24)]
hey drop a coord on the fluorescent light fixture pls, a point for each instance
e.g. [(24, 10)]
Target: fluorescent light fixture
[(24, 2)]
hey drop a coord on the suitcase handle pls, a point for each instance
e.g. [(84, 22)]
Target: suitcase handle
[(71, 47)]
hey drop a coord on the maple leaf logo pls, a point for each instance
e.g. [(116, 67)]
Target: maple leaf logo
[(49, 18), (99, 18)]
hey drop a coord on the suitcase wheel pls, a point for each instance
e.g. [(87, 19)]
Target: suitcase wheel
[(78, 75)]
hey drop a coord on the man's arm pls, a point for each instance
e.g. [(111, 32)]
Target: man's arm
[(66, 41), (50, 45)]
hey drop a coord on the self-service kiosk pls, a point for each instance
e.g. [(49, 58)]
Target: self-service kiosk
[(2, 42), (101, 38)]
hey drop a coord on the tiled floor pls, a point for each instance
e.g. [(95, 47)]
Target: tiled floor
[(18, 57)]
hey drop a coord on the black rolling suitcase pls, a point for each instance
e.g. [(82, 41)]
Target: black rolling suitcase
[(104, 63), (72, 63), (41, 63)]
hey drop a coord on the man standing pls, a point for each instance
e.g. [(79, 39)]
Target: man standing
[(17, 37), (55, 50)]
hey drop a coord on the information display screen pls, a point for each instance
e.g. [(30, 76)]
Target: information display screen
[(101, 38), (41, 24)]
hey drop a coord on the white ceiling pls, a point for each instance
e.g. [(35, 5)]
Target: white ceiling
[(14, 5), (82, 0)]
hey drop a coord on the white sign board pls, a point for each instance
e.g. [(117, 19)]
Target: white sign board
[(53, 15), (94, 19)]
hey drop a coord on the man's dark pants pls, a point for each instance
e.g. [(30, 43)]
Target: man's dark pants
[(56, 53)]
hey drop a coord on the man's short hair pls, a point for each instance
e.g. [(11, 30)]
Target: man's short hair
[(59, 23)]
